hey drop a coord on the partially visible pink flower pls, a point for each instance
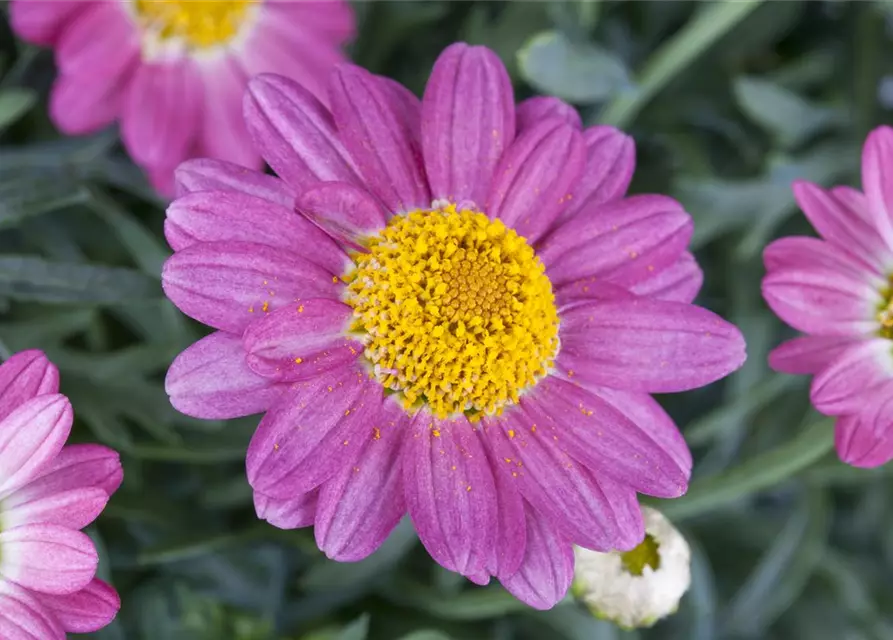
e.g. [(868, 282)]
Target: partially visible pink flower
[(838, 291), (48, 492), (173, 72), (446, 308)]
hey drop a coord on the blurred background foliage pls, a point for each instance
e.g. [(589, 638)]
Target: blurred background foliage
[(728, 103)]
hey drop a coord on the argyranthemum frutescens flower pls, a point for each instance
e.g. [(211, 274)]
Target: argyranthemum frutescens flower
[(837, 290), (173, 72), (48, 492), (639, 587), (463, 321)]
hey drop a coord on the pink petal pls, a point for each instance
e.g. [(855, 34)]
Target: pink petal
[(84, 611), (292, 512), (808, 354), (587, 290), (24, 617), (79, 465), (372, 124), (802, 253), (47, 558), (647, 414), (548, 568), (360, 505), (624, 242), (531, 111), (818, 300), (877, 183), (211, 380), (450, 493), (301, 341), (295, 133), (334, 19), (844, 384), (680, 282), (70, 508), (222, 131), (511, 532), (162, 113), (854, 202), (212, 216), (835, 219), (205, 174), (43, 22), (610, 163), (347, 213), (591, 430), (553, 481), (23, 376), (535, 176), (84, 105), (468, 121), (228, 285), (648, 345), (865, 439), (316, 429), (31, 437)]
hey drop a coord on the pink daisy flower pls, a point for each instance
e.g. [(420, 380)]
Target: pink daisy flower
[(837, 290), (48, 492), (462, 321), (173, 71)]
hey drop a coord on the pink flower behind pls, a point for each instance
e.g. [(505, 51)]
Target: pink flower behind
[(48, 492), (463, 321), (837, 290), (173, 73)]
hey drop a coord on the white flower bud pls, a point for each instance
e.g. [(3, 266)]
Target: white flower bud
[(639, 587)]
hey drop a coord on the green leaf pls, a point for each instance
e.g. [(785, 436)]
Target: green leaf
[(426, 634), (32, 278), (14, 103), (782, 113), (356, 630), (713, 21), (582, 73), (477, 604), (761, 472), (25, 195)]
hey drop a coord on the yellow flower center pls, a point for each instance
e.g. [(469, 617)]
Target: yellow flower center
[(197, 23), (455, 309), (645, 554)]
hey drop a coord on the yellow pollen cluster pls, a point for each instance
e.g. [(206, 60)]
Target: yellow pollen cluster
[(455, 309), (199, 23), (885, 312)]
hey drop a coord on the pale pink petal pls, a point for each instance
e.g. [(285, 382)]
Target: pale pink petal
[(468, 121), (372, 125), (877, 182), (803, 253), (316, 429), (211, 380), (222, 131), (292, 512), (535, 176), (531, 111), (822, 301), (205, 174), (31, 437), (212, 216), (23, 376), (648, 345), (624, 242), (547, 571), (295, 133), (680, 282), (843, 386), (450, 493), (43, 22), (47, 558), (347, 213), (161, 113), (302, 341), (84, 611), (228, 285), (24, 617), (808, 354), (361, 504), (332, 18), (834, 217)]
